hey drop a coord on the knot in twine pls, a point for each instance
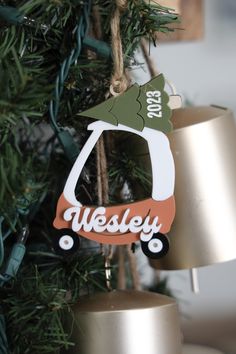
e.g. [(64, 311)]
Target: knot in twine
[(119, 82), (121, 5)]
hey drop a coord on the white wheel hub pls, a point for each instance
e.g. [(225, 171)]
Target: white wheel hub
[(155, 245), (66, 242)]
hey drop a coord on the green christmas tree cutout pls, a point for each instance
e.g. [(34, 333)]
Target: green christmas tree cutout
[(126, 108), (138, 107), (154, 105), (102, 112)]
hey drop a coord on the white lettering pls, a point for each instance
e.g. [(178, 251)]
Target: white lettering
[(154, 105), (98, 222), (113, 225)]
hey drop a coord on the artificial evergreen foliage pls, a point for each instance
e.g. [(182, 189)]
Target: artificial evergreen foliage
[(36, 302), (36, 36)]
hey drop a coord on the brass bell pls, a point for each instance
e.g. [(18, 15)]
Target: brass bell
[(121, 322), (203, 144)]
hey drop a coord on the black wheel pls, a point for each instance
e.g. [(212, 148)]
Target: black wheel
[(157, 247), (66, 242)]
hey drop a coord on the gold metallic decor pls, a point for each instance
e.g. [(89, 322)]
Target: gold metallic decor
[(126, 322), (203, 144)]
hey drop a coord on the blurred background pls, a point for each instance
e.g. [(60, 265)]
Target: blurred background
[(204, 73)]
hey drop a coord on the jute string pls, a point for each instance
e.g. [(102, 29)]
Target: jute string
[(150, 63), (97, 28), (103, 198), (102, 178), (119, 82), (101, 162), (133, 269), (121, 281), (125, 253)]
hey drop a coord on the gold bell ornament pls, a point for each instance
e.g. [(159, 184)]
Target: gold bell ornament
[(126, 322), (203, 144)]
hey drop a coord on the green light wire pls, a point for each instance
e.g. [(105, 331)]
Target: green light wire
[(3, 337), (14, 262), (80, 32), (3, 237), (1, 242)]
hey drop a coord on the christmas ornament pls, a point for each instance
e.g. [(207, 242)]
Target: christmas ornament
[(121, 322), (148, 116), (203, 143)]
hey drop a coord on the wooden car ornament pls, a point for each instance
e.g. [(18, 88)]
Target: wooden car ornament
[(147, 220)]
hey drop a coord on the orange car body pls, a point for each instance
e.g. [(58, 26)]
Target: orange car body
[(164, 210)]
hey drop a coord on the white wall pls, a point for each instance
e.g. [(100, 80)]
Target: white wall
[(205, 73)]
